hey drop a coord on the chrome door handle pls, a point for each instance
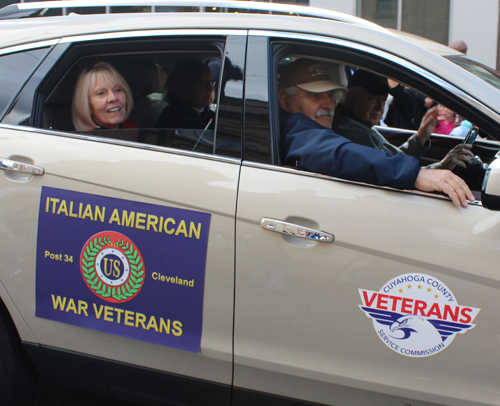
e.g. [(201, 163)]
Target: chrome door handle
[(9, 165), (295, 230)]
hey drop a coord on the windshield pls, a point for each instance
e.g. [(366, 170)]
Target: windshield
[(483, 72)]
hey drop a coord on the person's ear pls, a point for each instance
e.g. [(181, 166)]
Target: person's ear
[(283, 98)]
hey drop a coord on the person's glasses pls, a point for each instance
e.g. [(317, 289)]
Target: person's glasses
[(205, 83)]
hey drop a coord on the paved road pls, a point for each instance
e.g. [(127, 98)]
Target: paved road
[(46, 394)]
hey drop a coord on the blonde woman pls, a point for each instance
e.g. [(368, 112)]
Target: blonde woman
[(102, 99)]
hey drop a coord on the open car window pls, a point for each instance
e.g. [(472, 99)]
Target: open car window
[(147, 75), (145, 65), (400, 115)]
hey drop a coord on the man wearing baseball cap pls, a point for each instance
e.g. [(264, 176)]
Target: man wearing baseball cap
[(306, 87), (307, 97), (363, 109)]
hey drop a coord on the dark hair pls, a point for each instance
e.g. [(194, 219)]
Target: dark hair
[(182, 75), (372, 83)]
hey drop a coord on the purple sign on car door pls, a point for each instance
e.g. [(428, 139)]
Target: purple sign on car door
[(131, 269)]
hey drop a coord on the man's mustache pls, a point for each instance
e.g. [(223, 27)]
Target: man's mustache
[(324, 112)]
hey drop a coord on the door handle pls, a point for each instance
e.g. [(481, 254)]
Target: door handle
[(15, 166), (295, 230)]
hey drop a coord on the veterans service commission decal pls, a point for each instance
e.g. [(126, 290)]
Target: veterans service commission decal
[(416, 315), (112, 267)]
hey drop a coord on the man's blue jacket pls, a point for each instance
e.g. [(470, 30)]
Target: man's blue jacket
[(312, 147)]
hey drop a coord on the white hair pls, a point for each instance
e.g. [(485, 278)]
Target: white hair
[(290, 91)]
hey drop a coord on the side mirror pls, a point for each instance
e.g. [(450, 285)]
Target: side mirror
[(490, 191)]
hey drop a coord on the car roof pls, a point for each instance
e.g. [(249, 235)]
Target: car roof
[(432, 46), (27, 30), (35, 9), (16, 32)]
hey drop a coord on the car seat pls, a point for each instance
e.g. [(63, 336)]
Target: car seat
[(145, 78)]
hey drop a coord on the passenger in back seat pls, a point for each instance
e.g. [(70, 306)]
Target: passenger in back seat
[(102, 99), (190, 91)]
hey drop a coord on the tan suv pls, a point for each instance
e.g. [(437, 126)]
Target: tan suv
[(174, 265)]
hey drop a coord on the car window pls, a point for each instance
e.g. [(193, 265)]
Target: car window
[(172, 88), (15, 69), (391, 119), (173, 96), (478, 69)]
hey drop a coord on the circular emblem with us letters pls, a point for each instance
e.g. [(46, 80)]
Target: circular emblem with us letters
[(112, 267)]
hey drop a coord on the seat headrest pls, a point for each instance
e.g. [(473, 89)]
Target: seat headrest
[(141, 76)]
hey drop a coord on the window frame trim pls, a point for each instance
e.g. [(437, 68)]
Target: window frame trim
[(301, 172), (123, 143), (151, 33), (29, 46)]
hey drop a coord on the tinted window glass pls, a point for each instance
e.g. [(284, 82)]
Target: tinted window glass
[(175, 94), (476, 68), (257, 131), (131, 9), (85, 10), (185, 139), (173, 97), (178, 9), (15, 69)]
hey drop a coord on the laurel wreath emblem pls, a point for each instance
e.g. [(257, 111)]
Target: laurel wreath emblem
[(127, 290)]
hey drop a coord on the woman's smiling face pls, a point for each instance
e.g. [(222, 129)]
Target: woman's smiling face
[(108, 103)]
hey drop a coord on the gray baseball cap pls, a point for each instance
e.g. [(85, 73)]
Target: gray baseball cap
[(309, 75)]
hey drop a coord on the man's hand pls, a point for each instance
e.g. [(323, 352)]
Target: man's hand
[(458, 156), (428, 103), (429, 121), (441, 180)]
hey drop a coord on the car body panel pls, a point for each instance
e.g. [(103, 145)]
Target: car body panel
[(133, 174), (296, 297)]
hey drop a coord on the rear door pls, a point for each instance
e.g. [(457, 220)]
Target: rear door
[(124, 250)]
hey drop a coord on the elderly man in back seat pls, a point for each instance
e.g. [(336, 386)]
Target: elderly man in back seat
[(307, 96), (190, 91)]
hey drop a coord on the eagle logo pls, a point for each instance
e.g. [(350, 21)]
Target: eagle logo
[(416, 315)]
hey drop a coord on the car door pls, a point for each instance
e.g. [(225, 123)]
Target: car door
[(335, 320), (123, 251)]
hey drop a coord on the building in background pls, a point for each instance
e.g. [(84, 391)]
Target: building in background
[(443, 21)]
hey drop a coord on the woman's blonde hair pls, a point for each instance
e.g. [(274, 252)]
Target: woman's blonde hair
[(101, 72)]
